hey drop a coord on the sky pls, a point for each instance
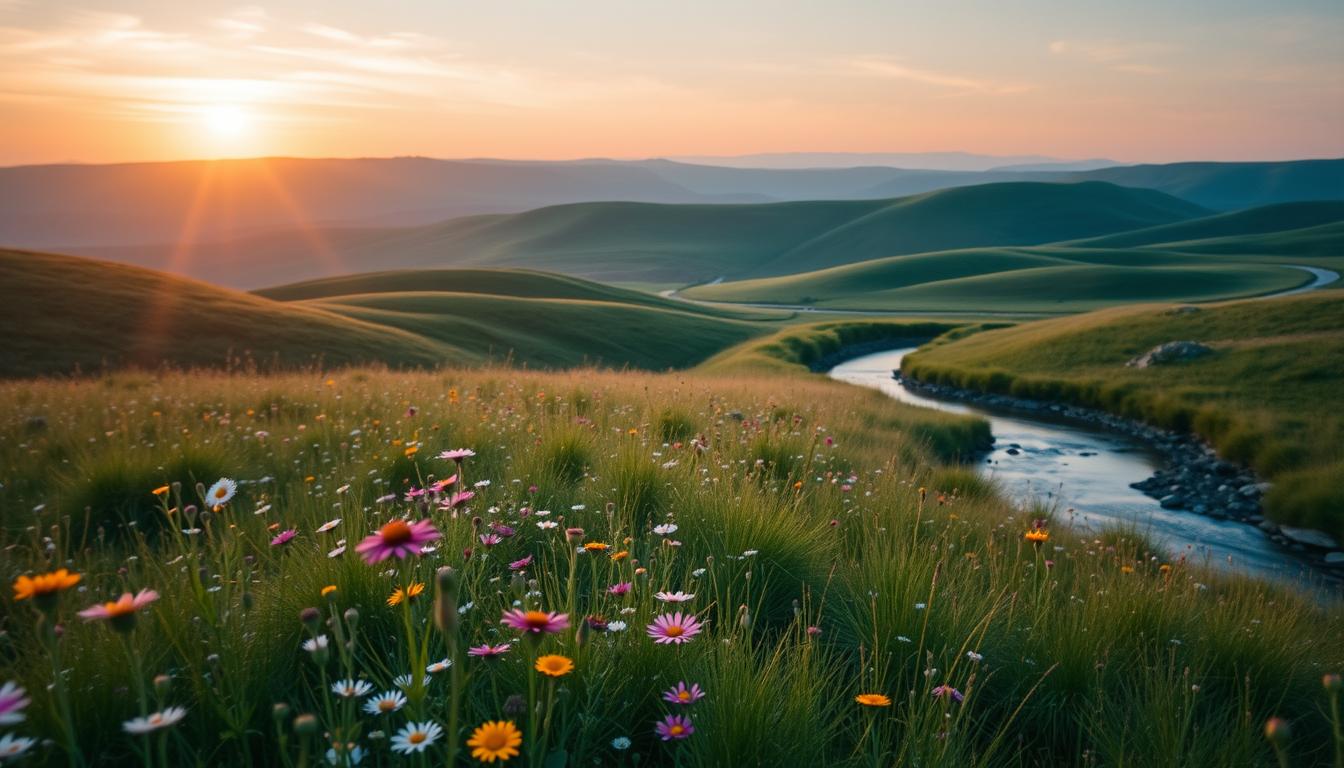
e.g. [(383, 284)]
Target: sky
[(1137, 81)]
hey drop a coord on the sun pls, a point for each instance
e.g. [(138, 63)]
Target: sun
[(227, 122)]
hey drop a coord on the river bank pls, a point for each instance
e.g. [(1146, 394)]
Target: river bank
[(1192, 477)]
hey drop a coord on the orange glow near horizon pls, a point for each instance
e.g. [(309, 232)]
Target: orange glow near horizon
[(1146, 82)]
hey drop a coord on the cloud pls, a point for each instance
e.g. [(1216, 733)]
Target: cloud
[(1115, 55), (121, 65), (893, 70)]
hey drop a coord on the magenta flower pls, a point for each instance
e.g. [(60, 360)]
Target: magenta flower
[(457, 454), (441, 485), (13, 700), (490, 539), (518, 565), (535, 622), (397, 539), (503, 530), (674, 727), (674, 628), (684, 695), (489, 651), (283, 537), (948, 692), (457, 499), (619, 589)]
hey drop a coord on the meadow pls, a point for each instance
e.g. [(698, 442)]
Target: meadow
[(748, 567), (1266, 396)]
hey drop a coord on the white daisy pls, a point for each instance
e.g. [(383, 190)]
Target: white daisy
[(439, 666), (402, 681), (546, 525), (327, 526), (620, 742), (315, 644), (13, 746), (674, 597), (352, 689), (153, 722), (616, 626), (416, 737), (385, 703), (973, 656), (666, 529), (221, 492), (350, 754)]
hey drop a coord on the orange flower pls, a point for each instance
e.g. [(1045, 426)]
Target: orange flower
[(596, 546), (1037, 535), (44, 587), (619, 556), (554, 665), (327, 590), (410, 593), (162, 490), (873, 699)]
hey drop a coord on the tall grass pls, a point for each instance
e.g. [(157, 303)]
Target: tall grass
[(830, 550)]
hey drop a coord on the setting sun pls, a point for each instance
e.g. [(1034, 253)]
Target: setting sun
[(227, 122)]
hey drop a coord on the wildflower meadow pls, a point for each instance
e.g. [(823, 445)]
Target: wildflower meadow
[(598, 568)]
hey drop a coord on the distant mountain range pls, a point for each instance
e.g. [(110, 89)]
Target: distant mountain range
[(926, 161), (77, 207)]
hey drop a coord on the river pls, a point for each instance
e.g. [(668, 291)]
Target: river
[(1085, 473)]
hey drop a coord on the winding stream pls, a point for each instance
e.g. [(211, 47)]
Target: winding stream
[(1088, 470)]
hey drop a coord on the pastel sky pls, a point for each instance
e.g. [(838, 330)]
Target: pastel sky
[(1142, 80)]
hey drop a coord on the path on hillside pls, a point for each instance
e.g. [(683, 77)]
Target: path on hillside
[(1321, 277)]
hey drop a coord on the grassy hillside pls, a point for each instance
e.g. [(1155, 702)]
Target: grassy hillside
[(69, 314), (1255, 221), (519, 283), (1268, 396), (680, 244), (63, 313), (1232, 186), (826, 552), (1040, 279), (550, 333)]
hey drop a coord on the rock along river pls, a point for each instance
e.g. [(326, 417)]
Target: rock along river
[(1085, 473)]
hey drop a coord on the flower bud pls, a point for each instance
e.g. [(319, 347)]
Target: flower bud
[(515, 705), (311, 618), (280, 711), (1332, 682), (305, 725), (163, 685), (573, 535), (1278, 732), (445, 601)]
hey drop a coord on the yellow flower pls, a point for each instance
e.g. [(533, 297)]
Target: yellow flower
[(1037, 535), (495, 740), (327, 590), (873, 700), (410, 593), (44, 586), (554, 665), (1126, 569), (162, 490)]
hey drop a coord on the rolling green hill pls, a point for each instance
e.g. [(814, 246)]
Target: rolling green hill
[(70, 314), (1268, 395), (1038, 279), (64, 314), (681, 244), (1254, 221)]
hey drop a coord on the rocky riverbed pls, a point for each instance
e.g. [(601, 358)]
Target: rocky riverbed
[(1193, 478)]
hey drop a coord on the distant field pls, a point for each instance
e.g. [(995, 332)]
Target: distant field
[(1206, 259), (1270, 395)]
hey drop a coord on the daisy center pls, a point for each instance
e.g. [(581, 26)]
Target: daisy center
[(676, 730), (387, 705), (684, 695), (396, 532), (494, 740), (417, 737), (674, 630)]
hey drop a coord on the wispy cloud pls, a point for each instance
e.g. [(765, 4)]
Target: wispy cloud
[(1115, 55), (896, 70), (122, 65)]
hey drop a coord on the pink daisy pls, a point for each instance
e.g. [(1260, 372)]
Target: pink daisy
[(457, 499), (674, 727), (675, 628), (121, 612), (397, 539), (536, 622), (490, 539), (13, 700), (684, 695), (457, 454), (283, 537), (488, 651), (619, 589), (948, 692), (674, 597), (518, 565)]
